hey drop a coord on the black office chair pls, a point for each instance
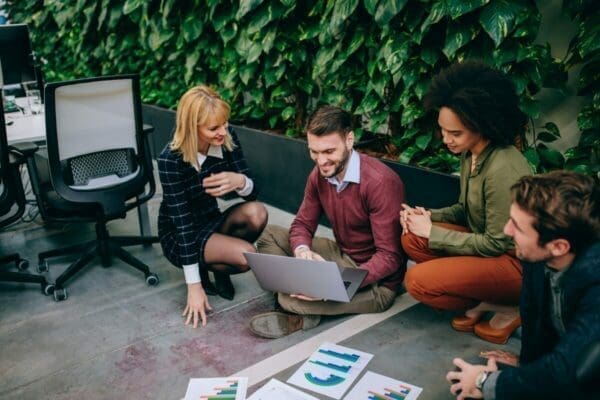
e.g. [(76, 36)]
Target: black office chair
[(99, 163), (12, 202)]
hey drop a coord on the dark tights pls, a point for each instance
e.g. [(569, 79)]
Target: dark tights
[(243, 224)]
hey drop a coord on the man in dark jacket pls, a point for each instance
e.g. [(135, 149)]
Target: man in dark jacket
[(555, 224)]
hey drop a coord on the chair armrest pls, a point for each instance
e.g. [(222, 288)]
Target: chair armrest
[(147, 129), (22, 151)]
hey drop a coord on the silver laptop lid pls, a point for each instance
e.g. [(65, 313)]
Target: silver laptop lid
[(290, 275)]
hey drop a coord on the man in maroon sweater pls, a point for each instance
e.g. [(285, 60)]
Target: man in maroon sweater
[(361, 198)]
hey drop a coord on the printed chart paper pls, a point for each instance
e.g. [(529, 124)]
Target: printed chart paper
[(217, 389), (276, 390), (331, 370), (373, 386)]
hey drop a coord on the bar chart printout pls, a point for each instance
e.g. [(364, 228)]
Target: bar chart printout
[(276, 390), (373, 386), (217, 389), (331, 370)]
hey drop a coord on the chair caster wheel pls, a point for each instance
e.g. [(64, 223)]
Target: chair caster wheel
[(22, 264), (48, 289), (152, 280), (60, 294), (43, 266)]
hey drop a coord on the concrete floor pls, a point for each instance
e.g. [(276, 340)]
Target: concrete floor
[(115, 337)]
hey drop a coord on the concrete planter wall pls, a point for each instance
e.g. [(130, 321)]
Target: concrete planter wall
[(280, 166)]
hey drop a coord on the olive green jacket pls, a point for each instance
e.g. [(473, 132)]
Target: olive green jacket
[(483, 205)]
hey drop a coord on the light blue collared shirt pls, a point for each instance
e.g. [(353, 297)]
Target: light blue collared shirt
[(352, 173)]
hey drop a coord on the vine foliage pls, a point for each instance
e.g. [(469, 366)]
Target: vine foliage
[(276, 60)]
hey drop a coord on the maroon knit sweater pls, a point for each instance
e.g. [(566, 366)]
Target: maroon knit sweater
[(364, 218)]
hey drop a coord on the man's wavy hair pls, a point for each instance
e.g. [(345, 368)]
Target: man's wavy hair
[(329, 119), (564, 205), (484, 99)]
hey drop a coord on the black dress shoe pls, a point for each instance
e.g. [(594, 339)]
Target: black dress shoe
[(224, 286), (207, 285)]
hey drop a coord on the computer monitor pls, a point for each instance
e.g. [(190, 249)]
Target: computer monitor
[(16, 56)]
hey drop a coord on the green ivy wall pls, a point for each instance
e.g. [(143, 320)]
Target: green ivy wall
[(275, 60)]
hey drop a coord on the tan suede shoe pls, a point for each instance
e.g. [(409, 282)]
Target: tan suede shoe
[(276, 324)]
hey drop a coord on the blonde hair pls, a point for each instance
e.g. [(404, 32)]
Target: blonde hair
[(195, 108)]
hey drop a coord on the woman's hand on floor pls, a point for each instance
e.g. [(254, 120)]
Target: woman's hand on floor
[(197, 305)]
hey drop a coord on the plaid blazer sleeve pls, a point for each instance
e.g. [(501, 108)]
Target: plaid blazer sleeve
[(174, 195), (239, 165)]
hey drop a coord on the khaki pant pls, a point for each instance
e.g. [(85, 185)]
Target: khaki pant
[(375, 298)]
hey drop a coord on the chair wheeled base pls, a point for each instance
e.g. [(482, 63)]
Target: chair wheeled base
[(104, 246), (21, 264)]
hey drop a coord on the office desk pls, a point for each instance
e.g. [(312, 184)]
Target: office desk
[(32, 128), (25, 128)]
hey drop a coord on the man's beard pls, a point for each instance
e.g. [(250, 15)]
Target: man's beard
[(339, 167)]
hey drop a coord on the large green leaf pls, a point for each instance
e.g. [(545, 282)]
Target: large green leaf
[(341, 12), (368, 104), (532, 158), (228, 32), (191, 63), (131, 5), (551, 156), (438, 11), (371, 6), (387, 10), (245, 7), (407, 155), (589, 36), (191, 28), (457, 8), (423, 141), (263, 17), (158, 37), (589, 78), (546, 137), (498, 19), (457, 36), (530, 107), (247, 72), (411, 112)]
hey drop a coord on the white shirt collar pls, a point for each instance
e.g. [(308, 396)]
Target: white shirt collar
[(213, 151), (352, 173)]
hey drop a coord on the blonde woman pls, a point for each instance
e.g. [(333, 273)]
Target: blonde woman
[(202, 162)]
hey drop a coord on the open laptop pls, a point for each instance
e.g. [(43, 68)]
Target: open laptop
[(319, 279)]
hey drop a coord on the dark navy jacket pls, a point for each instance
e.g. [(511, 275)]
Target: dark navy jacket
[(548, 362)]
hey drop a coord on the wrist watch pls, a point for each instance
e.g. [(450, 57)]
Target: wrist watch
[(481, 378)]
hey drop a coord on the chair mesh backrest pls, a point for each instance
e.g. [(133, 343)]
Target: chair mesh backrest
[(112, 162), (94, 117)]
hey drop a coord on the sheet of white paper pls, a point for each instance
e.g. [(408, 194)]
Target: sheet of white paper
[(233, 388), (276, 390), (373, 386), (331, 369)]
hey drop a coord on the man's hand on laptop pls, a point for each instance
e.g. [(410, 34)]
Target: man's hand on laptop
[(305, 297), (307, 254)]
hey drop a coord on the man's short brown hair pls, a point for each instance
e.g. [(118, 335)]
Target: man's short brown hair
[(564, 205), (329, 119)]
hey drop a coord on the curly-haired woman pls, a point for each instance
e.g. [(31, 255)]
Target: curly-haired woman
[(464, 260)]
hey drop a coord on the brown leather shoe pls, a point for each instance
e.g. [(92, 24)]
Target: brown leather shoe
[(497, 336), (276, 324), (465, 324)]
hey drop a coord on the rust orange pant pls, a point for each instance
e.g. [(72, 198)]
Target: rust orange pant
[(460, 282)]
